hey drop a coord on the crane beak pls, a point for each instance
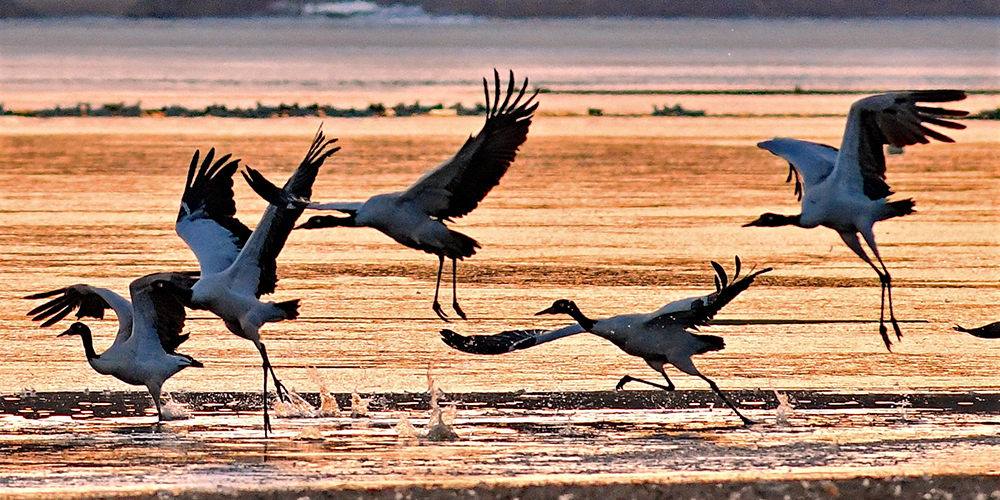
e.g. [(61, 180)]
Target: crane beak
[(550, 310), (67, 333), (321, 221), (754, 223)]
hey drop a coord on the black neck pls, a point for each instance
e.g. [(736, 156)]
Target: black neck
[(88, 345), (791, 220), (321, 221), (585, 322)]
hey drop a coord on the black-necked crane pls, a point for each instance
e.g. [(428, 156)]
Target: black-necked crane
[(144, 351), (845, 190), (416, 217), (238, 266), (659, 338)]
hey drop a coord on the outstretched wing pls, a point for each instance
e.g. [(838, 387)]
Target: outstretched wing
[(808, 162), (698, 311), (88, 302), (895, 118), (206, 221), (455, 187), (159, 301), (505, 341), (258, 269)]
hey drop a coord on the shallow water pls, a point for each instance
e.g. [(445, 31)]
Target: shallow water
[(357, 62), (621, 215), (619, 224), (637, 435)]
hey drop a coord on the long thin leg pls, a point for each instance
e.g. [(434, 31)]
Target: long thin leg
[(851, 239), (278, 386), (437, 288), (454, 290), (267, 418), (628, 378), (746, 421), (155, 392), (886, 281)]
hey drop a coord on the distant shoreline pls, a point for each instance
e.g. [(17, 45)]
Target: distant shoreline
[(260, 111)]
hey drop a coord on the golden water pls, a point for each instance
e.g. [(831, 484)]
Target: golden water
[(621, 215)]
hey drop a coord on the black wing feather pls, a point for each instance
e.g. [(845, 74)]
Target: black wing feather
[(490, 344), (90, 305), (299, 185), (704, 309), (209, 189), (490, 153), (902, 125), (990, 331), (170, 293)]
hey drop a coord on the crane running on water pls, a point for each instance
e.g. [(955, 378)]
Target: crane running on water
[(238, 266), (416, 217), (845, 189), (149, 328), (658, 338)]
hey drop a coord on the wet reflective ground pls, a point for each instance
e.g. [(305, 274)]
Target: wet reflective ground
[(630, 436)]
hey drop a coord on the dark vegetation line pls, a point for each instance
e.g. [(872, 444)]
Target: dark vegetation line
[(373, 110)]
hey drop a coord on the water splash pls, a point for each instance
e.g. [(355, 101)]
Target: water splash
[(170, 410), (295, 407), (784, 409), (359, 405), (439, 426), (328, 406), (405, 432), (309, 434)]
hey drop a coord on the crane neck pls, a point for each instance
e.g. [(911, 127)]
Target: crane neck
[(88, 345), (585, 322)]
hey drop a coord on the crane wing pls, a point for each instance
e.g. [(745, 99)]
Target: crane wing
[(88, 302), (206, 220), (895, 118), (455, 187), (809, 162), (505, 341), (698, 311), (257, 263), (159, 301)]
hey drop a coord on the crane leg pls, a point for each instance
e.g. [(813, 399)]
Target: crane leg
[(628, 378), (267, 418), (437, 288), (454, 290), (278, 386), (887, 283), (851, 239), (746, 421)]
